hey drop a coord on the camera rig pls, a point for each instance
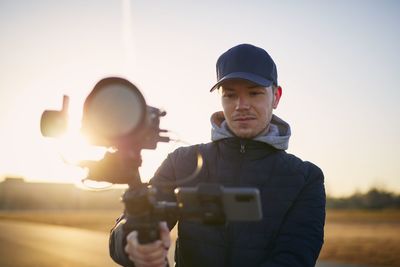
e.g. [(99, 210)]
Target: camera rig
[(115, 115)]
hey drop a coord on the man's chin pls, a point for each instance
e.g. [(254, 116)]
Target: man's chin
[(244, 133)]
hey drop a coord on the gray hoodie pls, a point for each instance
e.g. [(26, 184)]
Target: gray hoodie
[(277, 136)]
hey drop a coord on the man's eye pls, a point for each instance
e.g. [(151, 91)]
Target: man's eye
[(229, 95), (255, 93)]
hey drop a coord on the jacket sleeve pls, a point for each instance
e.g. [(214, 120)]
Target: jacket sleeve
[(117, 240), (301, 235), (117, 244)]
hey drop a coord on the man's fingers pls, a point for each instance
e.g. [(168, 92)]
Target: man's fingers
[(132, 241), (132, 238), (152, 259), (149, 248), (151, 254), (139, 262)]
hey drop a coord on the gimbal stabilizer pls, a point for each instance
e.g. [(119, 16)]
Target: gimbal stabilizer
[(116, 116)]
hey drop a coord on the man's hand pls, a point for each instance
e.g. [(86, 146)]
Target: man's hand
[(152, 254)]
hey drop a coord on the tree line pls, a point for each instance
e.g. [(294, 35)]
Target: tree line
[(374, 199)]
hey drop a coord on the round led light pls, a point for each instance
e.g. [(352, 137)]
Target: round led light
[(114, 109)]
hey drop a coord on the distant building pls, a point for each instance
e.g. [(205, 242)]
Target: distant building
[(15, 193)]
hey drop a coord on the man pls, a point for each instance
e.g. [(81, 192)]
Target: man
[(247, 150)]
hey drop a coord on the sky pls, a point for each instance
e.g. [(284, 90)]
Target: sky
[(338, 64)]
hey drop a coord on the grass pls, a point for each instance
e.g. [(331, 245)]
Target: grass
[(363, 237), (359, 237)]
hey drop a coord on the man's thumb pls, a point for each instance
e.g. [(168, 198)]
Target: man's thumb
[(164, 234)]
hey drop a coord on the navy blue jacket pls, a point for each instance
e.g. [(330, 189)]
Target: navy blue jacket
[(293, 203)]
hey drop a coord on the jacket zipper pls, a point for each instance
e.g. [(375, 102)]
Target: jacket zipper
[(228, 227), (242, 148)]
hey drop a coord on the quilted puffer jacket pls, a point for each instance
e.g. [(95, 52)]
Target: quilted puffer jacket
[(292, 195)]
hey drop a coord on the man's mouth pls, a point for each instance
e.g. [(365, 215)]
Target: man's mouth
[(246, 118)]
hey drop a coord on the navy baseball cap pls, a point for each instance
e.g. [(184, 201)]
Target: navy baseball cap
[(246, 62)]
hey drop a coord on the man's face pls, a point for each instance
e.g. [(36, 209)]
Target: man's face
[(248, 106)]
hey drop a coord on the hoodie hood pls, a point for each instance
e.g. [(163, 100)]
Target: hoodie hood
[(277, 136)]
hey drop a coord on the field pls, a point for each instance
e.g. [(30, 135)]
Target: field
[(363, 237), (359, 237), (92, 220)]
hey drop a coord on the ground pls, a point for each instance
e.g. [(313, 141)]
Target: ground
[(358, 237)]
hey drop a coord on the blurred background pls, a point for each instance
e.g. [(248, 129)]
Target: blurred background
[(338, 64)]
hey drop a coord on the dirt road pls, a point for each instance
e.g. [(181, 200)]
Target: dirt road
[(35, 244)]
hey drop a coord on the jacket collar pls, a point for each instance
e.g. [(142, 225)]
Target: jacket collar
[(277, 136)]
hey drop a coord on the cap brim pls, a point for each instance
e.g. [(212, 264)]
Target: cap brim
[(245, 76)]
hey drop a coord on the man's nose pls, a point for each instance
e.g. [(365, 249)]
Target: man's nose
[(242, 103)]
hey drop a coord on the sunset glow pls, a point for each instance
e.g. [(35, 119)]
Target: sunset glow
[(337, 62)]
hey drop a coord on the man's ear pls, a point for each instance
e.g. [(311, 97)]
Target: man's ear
[(277, 96)]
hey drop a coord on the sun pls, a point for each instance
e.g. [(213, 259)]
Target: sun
[(59, 157), (75, 147)]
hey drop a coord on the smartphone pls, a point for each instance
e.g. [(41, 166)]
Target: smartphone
[(233, 203)]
